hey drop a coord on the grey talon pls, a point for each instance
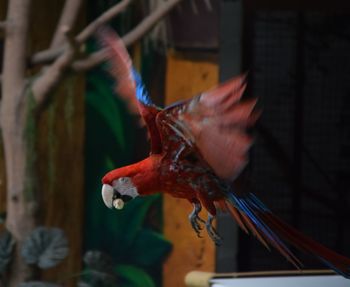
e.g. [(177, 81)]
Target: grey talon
[(194, 218), (212, 231)]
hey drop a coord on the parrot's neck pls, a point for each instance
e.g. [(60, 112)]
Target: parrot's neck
[(143, 174)]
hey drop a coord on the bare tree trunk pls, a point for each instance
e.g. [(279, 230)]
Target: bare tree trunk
[(20, 201), (20, 102)]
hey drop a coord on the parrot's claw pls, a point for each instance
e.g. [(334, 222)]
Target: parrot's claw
[(195, 220), (212, 231)]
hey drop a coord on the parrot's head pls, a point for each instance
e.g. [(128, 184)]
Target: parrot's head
[(118, 192), (125, 183)]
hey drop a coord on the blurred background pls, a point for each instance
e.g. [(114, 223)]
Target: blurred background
[(297, 55)]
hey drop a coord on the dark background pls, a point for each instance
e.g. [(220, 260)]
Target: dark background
[(299, 62)]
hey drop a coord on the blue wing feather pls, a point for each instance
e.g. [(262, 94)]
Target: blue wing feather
[(141, 92)]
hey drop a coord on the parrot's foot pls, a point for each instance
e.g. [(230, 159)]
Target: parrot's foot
[(212, 231), (194, 218)]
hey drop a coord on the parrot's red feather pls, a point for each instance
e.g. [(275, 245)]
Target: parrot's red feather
[(225, 94), (215, 122), (120, 67), (121, 70), (195, 144)]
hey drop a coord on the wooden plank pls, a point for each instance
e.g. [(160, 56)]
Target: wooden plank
[(3, 8), (230, 62), (2, 187), (185, 78)]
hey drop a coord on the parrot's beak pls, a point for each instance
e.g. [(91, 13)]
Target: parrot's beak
[(108, 197)]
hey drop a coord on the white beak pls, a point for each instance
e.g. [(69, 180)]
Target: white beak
[(107, 195)]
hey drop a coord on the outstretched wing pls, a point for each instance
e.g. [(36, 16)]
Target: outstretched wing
[(129, 84), (214, 123)]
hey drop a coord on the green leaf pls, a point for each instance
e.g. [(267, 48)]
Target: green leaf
[(37, 284), (129, 221), (6, 247), (45, 247), (101, 98), (132, 276), (149, 248)]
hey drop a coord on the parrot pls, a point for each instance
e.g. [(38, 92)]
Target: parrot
[(198, 147)]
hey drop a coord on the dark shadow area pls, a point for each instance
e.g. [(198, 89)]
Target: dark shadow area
[(300, 70)]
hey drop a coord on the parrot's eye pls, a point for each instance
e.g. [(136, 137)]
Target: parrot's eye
[(121, 191), (124, 180)]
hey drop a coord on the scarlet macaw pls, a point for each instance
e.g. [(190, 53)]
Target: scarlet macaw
[(198, 147)]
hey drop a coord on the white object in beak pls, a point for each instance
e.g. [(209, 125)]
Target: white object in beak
[(107, 195), (118, 203)]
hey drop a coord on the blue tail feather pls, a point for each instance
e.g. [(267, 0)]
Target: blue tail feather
[(247, 205), (274, 230)]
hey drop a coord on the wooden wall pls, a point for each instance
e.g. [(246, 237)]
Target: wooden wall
[(186, 77), (60, 142), (3, 8)]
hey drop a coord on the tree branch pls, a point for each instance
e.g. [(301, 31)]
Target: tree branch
[(70, 39), (51, 76), (46, 56), (50, 55), (140, 30), (68, 18), (101, 20)]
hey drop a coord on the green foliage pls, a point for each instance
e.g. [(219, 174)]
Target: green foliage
[(149, 248), (132, 276), (127, 235), (107, 108), (45, 247), (122, 234)]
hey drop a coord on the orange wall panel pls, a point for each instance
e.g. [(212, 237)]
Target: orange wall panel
[(185, 78)]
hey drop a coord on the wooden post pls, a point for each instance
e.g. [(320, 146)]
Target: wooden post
[(184, 79)]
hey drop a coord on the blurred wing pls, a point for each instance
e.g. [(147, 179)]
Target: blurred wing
[(129, 84), (215, 123)]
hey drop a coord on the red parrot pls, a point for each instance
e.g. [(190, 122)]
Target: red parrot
[(198, 148)]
